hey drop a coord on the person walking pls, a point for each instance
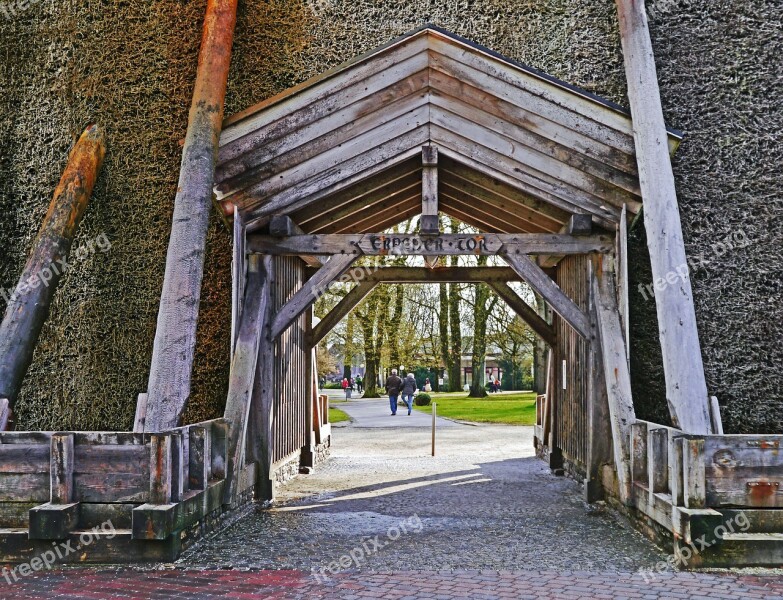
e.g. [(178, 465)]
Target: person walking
[(408, 390), (393, 386), (359, 384), (346, 388)]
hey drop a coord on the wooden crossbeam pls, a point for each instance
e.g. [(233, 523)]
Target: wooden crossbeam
[(350, 301), (617, 377), (543, 284), (374, 244), (311, 291), (525, 312), (243, 370), (441, 275)]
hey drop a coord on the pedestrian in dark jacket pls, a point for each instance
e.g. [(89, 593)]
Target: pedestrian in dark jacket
[(393, 385), (408, 390)]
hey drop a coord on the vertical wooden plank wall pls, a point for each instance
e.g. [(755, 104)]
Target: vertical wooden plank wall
[(572, 420), (290, 366)]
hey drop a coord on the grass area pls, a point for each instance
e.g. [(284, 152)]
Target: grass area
[(337, 416), (516, 408)]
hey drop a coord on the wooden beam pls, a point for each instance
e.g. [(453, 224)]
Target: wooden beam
[(525, 312), (441, 275), (430, 223), (160, 468), (260, 430), (243, 371), (238, 275), (175, 335), (284, 226), (61, 459), (579, 224), (686, 386), (350, 301), (543, 284), (28, 305), (313, 288), (141, 413), (617, 377), (373, 244), (622, 281)]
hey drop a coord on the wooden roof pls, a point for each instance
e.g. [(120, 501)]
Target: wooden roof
[(519, 151)]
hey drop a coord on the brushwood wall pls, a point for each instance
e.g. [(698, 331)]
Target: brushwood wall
[(130, 67)]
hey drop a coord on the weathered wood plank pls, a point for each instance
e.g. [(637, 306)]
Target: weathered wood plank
[(715, 418), (53, 521), (175, 335), (686, 387), (61, 459), (430, 223), (259, 207), (243, 369), (743, 470), (24, 458), (160, 468), (218, 441), (5, 413), (141, 412), (693, 473), (238, 274), (445, 244), (199, 458), (617, 377), (316, 286), (543, 284), (658, 457), (25, 487), (639, 449), (109, 458)]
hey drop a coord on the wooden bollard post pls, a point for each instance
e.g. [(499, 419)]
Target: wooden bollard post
[(28, 305), (434, 417), (160, 468)]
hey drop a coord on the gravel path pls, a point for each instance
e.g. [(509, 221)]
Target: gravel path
[(484, 502)]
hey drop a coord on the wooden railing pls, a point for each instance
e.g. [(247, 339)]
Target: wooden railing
[(151, 474), (679, 477)]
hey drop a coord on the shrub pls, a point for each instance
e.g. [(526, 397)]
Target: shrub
[(333, 386), (422, 399)]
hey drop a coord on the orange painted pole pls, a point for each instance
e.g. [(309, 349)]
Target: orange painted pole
[(175, 336), (29, 302)]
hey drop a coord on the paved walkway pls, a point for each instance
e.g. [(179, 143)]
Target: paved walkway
[(376, 413), (384, 519)]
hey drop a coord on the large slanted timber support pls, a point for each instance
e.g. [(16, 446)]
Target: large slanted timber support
[(253, 325), (525, 312), (28, 306), (313, 289), (686, 387), (350, 301), (543, 284), (175, 336)]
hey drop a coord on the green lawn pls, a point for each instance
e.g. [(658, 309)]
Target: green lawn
[(337, 416), (512, 409)]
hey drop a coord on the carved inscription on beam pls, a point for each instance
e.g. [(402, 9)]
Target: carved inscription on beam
[(375, 244)]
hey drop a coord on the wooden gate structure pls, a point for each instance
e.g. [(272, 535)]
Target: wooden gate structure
[(430, 124)]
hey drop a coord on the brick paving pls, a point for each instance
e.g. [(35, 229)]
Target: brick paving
[(440, 585), (383, 519)]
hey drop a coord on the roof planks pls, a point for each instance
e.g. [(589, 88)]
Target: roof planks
[(520, 151)]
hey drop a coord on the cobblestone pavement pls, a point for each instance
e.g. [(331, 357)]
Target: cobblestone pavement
[(384, 519)]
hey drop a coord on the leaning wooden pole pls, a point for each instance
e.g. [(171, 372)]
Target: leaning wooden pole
[(28, 305), (686, 387), (175, 336)]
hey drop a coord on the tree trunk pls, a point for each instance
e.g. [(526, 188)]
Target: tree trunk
[(455, 325), (443, 327), (481, 311)]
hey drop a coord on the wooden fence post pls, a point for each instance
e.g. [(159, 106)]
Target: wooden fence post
[(160, 468), (61, 468)]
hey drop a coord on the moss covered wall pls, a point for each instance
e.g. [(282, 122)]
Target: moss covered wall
[(130, 67)]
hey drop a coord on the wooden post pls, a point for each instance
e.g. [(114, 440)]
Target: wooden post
[(686, 387), (238, 275), (198, 458), (175, 336), (61, 468), (28, 305), (617, 378), (434, 419), (430, 223), (160, 468), (693, 474), (253, 325), (260, 421)]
